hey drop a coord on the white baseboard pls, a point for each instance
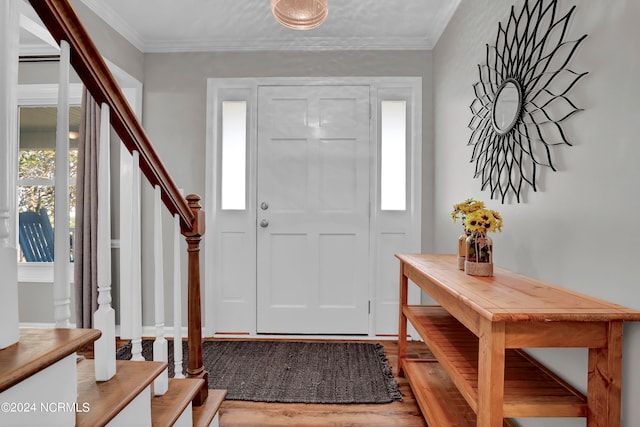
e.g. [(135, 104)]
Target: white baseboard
[(308, 337), (150, 331), (41, 325)]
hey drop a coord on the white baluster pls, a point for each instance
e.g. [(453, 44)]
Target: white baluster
[(126, 237), (104, 318), (61, 276), (9, 37), (136, 268), (161, 383), (177, 300)]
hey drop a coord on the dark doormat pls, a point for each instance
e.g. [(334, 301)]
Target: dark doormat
[(288, 372)]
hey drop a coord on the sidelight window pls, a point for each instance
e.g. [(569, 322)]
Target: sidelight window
[(393, 154), (234, 154)]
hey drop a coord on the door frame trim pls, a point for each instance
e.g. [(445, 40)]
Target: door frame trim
[(239, 89)]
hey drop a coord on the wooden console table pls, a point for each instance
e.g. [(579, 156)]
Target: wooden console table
[(476, 333)]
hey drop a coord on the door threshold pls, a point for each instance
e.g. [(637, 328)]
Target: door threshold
[(318, 337)]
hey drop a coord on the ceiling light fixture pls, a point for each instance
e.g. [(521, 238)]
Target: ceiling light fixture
[(300, 14)]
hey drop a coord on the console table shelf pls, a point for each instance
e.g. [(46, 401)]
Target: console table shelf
[(431, 387), (529, 388), (482, 377)]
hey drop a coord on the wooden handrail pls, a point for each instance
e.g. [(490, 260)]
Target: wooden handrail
[(64, 24)]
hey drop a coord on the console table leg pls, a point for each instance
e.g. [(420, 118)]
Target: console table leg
[(491, 374), (605, 380), (402, 323)]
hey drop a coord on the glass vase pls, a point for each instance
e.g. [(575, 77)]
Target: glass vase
[(479, 255), (462, 248)]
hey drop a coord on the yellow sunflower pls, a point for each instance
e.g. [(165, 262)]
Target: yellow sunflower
[(461, 210), (483, 221)]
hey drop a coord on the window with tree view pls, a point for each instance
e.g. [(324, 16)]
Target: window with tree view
[(36, 174)]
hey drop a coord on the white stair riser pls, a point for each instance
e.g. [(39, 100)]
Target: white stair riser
[(186, 419), (9, 332), (216, 420), (47, 398), (137, 413)]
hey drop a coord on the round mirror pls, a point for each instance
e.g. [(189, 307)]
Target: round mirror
[(507, 106)]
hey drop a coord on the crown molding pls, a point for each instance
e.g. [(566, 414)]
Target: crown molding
[(314, 44)]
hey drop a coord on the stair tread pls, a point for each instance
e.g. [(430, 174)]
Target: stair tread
[(39, 348), (108, 398), (203, 414), (166, 409)]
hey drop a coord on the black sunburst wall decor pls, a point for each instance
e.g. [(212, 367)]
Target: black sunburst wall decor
[(521, 99)]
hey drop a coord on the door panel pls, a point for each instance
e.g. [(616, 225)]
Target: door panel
[(285, 249), (313, 209), (336, 272), (338, 175)]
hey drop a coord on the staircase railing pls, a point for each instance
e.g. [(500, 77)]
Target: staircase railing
[(66, 28)]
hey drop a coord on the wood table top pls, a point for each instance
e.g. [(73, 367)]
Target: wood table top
[(512, 297)]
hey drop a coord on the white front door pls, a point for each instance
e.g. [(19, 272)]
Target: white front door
[(313, 197)]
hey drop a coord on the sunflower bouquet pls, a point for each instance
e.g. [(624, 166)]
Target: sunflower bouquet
[(461, 210)]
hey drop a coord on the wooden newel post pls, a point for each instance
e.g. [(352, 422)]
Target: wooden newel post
[(195, 368)]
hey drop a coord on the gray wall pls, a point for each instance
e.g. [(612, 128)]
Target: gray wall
[(578, 230), (110, 43)]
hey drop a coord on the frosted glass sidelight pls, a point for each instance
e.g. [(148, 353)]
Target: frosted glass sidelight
[(393, 155), (234, 155)]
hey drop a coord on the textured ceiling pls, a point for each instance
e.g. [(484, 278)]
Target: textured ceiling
[(241, 25)]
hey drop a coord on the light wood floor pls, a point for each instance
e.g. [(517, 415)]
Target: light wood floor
[(236, 413)]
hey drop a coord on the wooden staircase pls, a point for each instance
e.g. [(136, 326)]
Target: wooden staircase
[(124, 400), (42, 382)]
